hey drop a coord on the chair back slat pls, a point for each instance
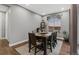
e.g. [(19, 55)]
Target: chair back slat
[(32, 38), (53, 36)]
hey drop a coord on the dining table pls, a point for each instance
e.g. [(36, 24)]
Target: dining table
[(44, 36)]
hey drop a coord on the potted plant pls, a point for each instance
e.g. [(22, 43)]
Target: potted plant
[(66, 36)]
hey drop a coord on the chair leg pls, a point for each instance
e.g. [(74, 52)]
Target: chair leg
[(29, 45), (29, 49), (35, 50), (51, 46), (56, 41)]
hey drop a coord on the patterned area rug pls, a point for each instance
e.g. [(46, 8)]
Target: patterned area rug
[(23, 50)]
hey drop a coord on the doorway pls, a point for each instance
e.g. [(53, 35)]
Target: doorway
[(2, 24)]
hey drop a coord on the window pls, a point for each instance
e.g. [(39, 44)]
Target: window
[(54, 21)]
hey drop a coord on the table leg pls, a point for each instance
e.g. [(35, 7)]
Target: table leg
[(45, 46), (29, 45)]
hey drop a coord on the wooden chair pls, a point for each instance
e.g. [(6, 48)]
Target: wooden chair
[(34, 43), (54, 41), (49, 42)]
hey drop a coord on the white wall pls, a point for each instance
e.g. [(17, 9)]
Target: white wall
[(20, 22)]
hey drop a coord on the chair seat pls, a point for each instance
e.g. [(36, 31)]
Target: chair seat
[(38, 43), (40, 46)]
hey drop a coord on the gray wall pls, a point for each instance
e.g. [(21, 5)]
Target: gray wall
[(3, 10), (20, 22), (77, 25), (65, 21)]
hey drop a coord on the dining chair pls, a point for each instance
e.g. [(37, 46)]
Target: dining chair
[(36, 45), (49, 42), (54, 41), (37, 29)]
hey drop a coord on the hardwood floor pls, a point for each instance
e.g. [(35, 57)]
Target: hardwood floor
[(65, 49), (8, 51)]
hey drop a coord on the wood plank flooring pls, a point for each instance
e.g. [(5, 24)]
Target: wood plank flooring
[(65, 49)]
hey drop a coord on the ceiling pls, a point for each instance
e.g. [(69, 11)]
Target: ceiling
[(44, 9)]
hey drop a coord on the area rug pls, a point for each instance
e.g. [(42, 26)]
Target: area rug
[(23, 50)]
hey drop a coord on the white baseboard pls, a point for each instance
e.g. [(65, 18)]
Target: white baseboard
[(60, 38), (19, 42)]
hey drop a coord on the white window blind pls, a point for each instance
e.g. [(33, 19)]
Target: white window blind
[(53, 21)]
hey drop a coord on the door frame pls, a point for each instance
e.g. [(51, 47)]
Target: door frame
[(73, 29)]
